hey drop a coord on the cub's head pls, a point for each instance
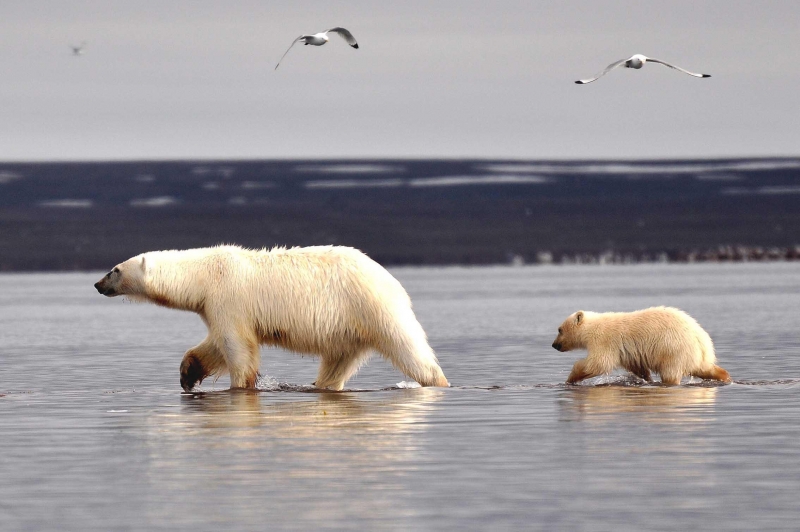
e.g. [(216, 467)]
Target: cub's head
[(569, 334), (126, 279)]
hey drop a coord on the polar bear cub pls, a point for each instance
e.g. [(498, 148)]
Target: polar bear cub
[(663, 340), (328, 301)]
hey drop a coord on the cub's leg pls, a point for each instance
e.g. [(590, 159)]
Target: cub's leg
[(199, 362), (671, 378), (334, 373), (583, 369), (715, 373), (639, 370)]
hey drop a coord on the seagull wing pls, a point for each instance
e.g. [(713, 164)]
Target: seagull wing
[(608, 69), (346, 35), (679, 68), (287, 50)]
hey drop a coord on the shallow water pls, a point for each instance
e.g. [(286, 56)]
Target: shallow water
[(95, 434)]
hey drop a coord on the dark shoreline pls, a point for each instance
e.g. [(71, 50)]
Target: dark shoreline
[(716, 255), (90, 216)]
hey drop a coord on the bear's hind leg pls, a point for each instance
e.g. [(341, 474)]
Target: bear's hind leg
[(670, 378), (640, 370), (421, 366), (411, 354), (198, 363), (334, 374)]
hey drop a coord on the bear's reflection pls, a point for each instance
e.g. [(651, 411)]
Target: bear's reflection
[(306, 456), (654, 404), (287, 424), (310, 412)]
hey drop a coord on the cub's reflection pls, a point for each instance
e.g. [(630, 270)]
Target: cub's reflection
[(656, 404)]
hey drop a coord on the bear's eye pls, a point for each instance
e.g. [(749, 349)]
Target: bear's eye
[(560, 331), (115, 270)]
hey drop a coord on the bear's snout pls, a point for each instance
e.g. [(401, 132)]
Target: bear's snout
[(103, 289), (557, 346)]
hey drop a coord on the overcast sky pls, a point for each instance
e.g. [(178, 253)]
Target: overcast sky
[(194, 79)]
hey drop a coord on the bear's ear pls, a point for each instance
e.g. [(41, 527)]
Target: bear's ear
[(578, 317)]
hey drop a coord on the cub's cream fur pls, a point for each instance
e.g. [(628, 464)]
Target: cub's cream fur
[(328, 301), (663, 340)]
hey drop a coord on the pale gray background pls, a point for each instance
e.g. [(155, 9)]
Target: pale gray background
[(195, 79)]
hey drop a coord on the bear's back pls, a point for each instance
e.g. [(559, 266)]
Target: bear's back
[(675, 330), (322, 284)]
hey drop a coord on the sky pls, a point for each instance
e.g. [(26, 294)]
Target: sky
[(195, 79)]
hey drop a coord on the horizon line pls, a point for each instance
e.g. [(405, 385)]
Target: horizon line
[(393, 158)]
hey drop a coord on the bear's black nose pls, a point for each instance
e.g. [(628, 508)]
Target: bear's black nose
[(556, 346), (97, 286)]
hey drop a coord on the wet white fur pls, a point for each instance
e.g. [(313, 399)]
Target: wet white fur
[(332, 302), (665, 340)]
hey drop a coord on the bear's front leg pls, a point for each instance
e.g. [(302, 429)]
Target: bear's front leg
[(192, 371), (242, 358), (582, 370), (199, 362)]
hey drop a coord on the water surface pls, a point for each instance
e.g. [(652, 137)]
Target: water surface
[(95, 434)]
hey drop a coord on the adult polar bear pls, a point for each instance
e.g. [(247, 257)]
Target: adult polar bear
[(329, 301)]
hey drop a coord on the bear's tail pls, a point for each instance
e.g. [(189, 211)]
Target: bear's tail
[(715, 373)]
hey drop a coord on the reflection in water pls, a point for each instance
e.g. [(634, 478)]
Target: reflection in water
[(315, 411), (653, 404), (661, 436), (94, 435), (313, 455)]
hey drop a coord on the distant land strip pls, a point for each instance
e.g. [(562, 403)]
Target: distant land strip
[(716, 254), (92, 215)]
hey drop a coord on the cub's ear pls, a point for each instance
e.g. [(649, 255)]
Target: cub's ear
[(143, 265), (578, 317)]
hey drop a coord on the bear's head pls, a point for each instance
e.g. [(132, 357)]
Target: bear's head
[(569, 334), (126, 279)]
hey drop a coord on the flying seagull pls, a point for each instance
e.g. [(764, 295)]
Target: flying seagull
[(318, 39), (78, 50), (637, 61)]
